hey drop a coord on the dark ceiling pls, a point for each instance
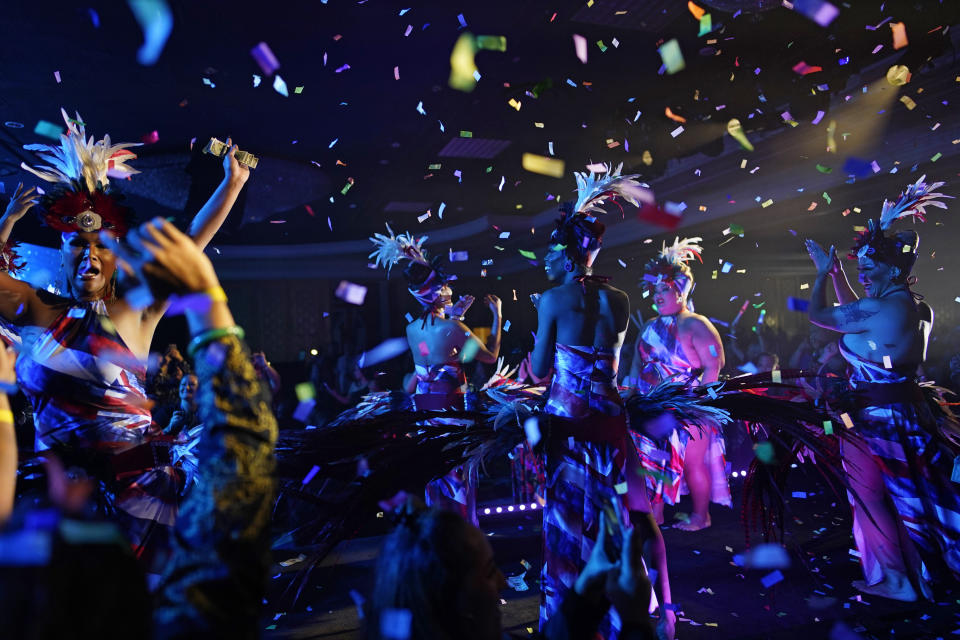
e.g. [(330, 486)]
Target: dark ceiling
[(354, 121)]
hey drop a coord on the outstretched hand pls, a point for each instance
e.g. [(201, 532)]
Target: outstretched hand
[(20, 202)]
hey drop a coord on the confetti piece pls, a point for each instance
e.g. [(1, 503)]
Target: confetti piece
[(676, 131), (764, 452), (775, 376), (56, 75), (805, 69), (305, 391), (395, 623), (797, 304), (529, 255), (831, 140), (698, 12), (821, 12), (531, 427), (150, 138), (826, 196), (735, 129), (908, 102), (386, 350), (257, 80), (766, 556), (48, 130), (706, 25), (899, 35), (463, 67), (156, 22), (828, 427), (847, 422), (672, 56), (887, 364), (469, 351), (771, 579), (280, 86), (420, 108), (350, 292), (265, 59), (310, 475), (621, 488), (580, 47)]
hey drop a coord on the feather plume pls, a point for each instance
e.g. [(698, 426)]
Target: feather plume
[(79, 162), (912, 202), (682, 250), (593, 189), (393, 248)]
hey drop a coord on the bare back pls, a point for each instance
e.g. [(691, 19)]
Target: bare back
[(595, 316), (439, 341), (893, 326)]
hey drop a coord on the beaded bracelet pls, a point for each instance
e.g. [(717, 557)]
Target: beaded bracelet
[(210, 335)]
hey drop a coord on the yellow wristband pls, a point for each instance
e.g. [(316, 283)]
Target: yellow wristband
[(6, 416), (216, 294)]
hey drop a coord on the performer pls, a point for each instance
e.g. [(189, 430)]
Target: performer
[(581, 327), (85, 349), (679, 345), (905, 507), (440, 343)]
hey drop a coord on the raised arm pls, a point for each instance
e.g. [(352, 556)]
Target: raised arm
[(709, 348), (489, 351), (20, 203), (841, 284), (546, 345), (211, 216)]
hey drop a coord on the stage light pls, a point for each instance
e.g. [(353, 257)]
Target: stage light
[(523, 507), (499, 509), (510, 508), (533, 505), (735, 474), (486, 512), (314, 352)]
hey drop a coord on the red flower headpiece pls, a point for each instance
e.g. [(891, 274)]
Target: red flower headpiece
[(78, 211)]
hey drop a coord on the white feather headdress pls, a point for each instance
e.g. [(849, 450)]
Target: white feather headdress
[(79, 162)]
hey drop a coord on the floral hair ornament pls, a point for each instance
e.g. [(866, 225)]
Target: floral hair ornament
[(81, 198), (392, 249), (670, 265), (899, 249), (577, 229)]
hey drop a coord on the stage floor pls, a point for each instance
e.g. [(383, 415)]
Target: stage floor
[(719, 599)]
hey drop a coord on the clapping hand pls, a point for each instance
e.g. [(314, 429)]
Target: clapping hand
[(826, 262)]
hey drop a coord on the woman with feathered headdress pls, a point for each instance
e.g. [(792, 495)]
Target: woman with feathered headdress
[(581, 325), (679, 345), (84, 348), (901, 469), (440, 344)]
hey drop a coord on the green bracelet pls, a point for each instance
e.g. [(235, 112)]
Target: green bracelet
[(210, 335)]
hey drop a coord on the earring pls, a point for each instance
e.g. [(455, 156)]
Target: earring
[(568, 265)]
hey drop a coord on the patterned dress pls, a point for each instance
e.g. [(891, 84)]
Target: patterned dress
[(86, 388), (582, 474), (895, 419), (664, 359)]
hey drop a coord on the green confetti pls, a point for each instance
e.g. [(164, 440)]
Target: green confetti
[(936, 157), (736, 230), (489, 169), (492, 43), (466, 134), (764, 452), (828, 427), (602, 46), (346, 188), (826, 196), (48, 130), (529, 255), (305, 391), (469, 351), (434, 167), (706, 25), (823, 169), (298, 90)]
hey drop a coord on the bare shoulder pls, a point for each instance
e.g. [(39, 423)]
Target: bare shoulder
[(616, 294), (698, 324)]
